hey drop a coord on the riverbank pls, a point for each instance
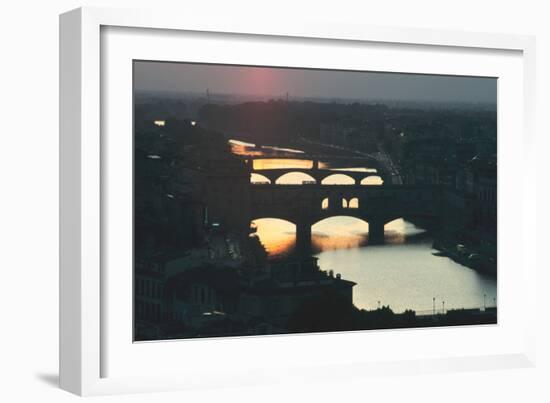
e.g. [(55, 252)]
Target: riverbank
[(328, 313), (473, 249), (465, 251)]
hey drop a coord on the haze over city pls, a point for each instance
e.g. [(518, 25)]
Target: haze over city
[(310, 83)]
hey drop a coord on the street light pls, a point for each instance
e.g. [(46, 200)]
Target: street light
[(434, 305), (443, 307), (378, 304)]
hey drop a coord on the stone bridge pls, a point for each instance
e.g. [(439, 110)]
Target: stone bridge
[(317, 174), (305, 205), (356, 160)]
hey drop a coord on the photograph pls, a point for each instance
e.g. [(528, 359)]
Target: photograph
[(274, 200)]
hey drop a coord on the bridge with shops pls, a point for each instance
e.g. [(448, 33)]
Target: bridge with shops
[(320, 168), (317, 175), (305, 205)]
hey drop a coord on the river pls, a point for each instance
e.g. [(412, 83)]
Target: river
[(403, 273)]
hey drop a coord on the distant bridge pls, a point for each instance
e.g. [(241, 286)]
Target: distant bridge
[(305, 205), (317, 174), (357, 159), (347, 160)]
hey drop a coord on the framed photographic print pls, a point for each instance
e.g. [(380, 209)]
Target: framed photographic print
[(242, 199), (260, 212)]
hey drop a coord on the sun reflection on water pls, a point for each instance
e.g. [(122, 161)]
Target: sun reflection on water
[(341, 232), (276, 163), (277, 236)]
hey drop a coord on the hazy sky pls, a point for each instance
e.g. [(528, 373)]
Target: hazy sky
[(276, 82)]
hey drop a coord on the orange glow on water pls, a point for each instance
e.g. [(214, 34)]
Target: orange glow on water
[(241, 148), (340, 232), (277, 236), (356, 169), (275, 163)]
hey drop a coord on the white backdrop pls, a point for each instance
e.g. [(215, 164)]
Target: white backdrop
[(28, 209)]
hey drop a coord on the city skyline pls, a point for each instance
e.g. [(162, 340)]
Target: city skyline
[(277, 82)]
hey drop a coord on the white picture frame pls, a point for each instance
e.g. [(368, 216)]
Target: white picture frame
[(88, 315)]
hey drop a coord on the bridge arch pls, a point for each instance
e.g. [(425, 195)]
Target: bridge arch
[(273, 217), (305, 205), (372, 227), (394, 221), (372, 180), (277, 235), (337, 202), (338, 179), (348, 217), (294, 178), (353, 202), (259, 178)]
